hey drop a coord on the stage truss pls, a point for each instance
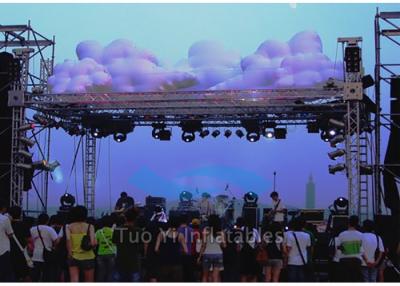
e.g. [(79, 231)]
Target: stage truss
[(214, 108)]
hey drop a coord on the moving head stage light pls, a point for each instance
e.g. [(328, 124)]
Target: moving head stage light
[(103, 125)]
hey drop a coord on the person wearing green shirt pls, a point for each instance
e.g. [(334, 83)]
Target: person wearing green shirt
[(106, 251)]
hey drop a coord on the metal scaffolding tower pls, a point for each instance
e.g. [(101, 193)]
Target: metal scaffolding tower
[(28, 45), (89, 188), (387, 27)]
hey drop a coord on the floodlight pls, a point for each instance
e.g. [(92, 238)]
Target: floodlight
[(336, 140), (67, 200), (239, 133), (336, 168), (336, 123), (119, 137), (253, 136), (26, 127), (228, 133), (341, 206), (188, 136), (250, 198), (337, 153), (185, 196), (24, 153), (26, 141), (204, 133), (215, 133)]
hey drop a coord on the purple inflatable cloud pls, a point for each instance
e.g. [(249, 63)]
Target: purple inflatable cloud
[(123, 67)]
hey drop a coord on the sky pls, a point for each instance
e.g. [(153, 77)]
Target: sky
[(144, 166)]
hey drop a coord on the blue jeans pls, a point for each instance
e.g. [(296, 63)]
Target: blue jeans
[(369, 274), (105, 268), (129, 276), (295, 273)]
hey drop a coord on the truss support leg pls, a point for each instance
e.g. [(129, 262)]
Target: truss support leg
[(90, 173)]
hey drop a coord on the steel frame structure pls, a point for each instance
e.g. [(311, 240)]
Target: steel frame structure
[(387, 27), (214, 108), (24, 40)]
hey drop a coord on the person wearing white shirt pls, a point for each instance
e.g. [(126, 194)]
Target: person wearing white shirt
[(6, 232), (43, 236), (278, 208), (352, 252), (297, 251), (371, 243)]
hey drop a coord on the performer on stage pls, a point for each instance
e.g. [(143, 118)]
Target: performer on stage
[(205, 206), (277, 213), (124, 203)]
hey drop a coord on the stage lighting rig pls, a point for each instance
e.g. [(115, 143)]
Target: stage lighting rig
[(312, 127), (67, 201), (336, 168), (160, 132), (185, 196), (250, 198), (336, 140), (228, 133), (204, 133), (188, 136), (42, 165), (341, 206), (26, 127), (336, 123), (269, 134), (336, 153), (215, 133), (119, 137), (253, 136), (280, 133), (239, 133)]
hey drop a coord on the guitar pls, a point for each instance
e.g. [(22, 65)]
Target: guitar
[(271, 214)]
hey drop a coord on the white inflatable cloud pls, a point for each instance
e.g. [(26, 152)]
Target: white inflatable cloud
[(122, 67)]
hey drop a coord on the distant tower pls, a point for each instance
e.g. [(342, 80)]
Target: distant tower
[(310, 193)]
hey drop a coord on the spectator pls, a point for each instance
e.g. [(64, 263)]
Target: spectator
[(43, 236), (350, 243), (156, 224), (297, 242), (249, 267), (335, 255), (276, 250), (106, 251), (128, 240), (213, 241), (80, 260), (195, 248), (231, 252), (6, 232), (169, 246), (372, 245), (187, 261), (21, 271)]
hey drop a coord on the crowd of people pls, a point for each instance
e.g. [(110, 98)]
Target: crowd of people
[(128, 248)]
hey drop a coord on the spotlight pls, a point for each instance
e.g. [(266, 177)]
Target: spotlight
[(336, 123), (250, 198), (325, 136), (188, 136), (156, 133), (26, 127), (164, 135), (366, 169), (96, 133), (215, 133), (239, 133), (341, 206), (24, 153), (336, 140), (119, 137), (337, 153), (40, 165), (269, 134), (332, 132), (312, 127), (280, 133), (336, 168), (27, 142), (204, 133), (228, 133), (185, 196), (352, 59), (367, 81), (253, 136), (67, 200)]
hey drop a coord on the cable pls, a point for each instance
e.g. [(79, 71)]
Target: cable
[(109, 173), (73, 164)]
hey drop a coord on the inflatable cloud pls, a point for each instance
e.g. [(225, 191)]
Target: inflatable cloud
[(123, 67)]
